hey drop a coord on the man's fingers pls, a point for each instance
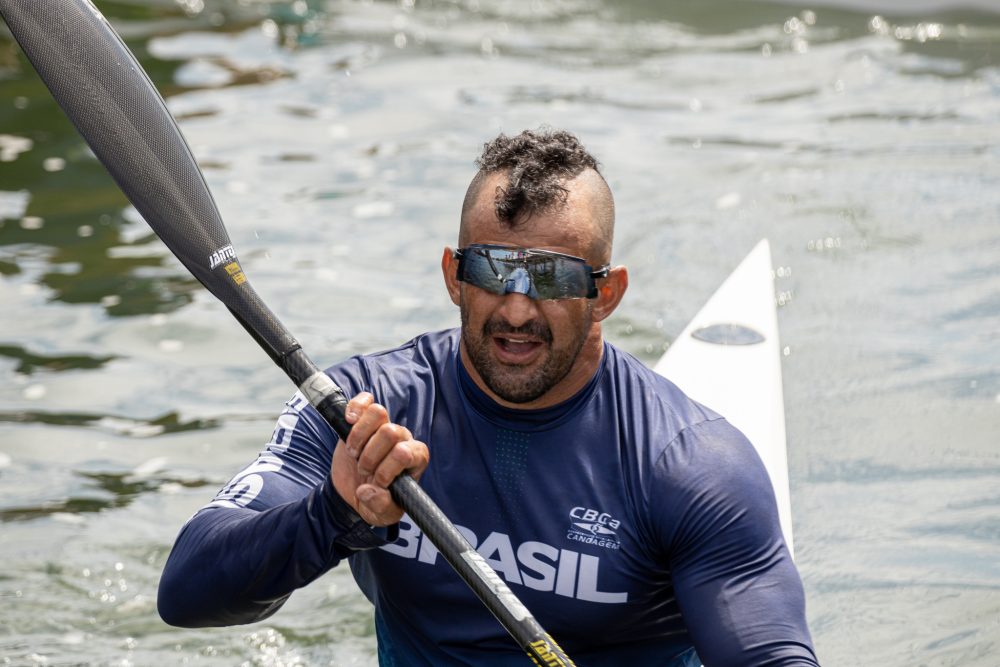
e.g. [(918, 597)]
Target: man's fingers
[(375, 503), (411, 456), (374, 454), (376, 507), (357, 405), (370, 417), (379, 445)]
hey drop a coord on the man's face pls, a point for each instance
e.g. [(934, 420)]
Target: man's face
[(521, 348)]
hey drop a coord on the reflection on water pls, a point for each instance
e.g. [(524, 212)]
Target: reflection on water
[(76, 212), (168, 423), (28, 362), (104, 491), (338, 138)]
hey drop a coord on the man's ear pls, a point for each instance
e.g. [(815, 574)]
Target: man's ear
[(449, 268), (610, 291)]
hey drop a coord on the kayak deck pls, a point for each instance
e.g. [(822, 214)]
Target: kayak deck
[(728, 358)]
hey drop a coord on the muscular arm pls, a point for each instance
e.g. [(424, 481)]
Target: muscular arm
[(738, 589), (278, 525)]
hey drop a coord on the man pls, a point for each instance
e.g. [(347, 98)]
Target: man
[(635, 524)]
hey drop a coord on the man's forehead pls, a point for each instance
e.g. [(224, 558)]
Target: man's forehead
[(555, 230), (571, 219)]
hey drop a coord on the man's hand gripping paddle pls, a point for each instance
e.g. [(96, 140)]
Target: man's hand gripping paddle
[(105, 92)]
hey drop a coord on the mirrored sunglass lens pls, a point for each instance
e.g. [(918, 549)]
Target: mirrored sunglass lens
[(552, 277), (559, 277), (572, 280), (484, 273)]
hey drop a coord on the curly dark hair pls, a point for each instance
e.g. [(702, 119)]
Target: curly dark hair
[(537, 164)]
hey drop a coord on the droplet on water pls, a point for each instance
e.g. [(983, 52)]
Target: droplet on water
[(878, 25), (269, 28), (794, 26)]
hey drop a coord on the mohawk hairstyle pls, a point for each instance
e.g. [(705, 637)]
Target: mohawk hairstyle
[(537, 163)]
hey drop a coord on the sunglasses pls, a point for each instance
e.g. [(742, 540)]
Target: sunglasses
[(538, 274)]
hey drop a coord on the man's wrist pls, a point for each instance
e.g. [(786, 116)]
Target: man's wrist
[(357, 534)]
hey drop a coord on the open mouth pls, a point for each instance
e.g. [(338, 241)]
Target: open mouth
[(513, 349)]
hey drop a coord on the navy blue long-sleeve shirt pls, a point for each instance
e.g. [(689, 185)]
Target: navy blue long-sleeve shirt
[(634, 523)]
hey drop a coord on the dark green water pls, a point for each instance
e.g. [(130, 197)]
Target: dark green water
[(338, 138)]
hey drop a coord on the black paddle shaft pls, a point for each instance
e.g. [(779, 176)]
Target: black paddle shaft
[(109, 98)]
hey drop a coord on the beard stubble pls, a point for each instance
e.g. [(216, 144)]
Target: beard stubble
[(514, 383)]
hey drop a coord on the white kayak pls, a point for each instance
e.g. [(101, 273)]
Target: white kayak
[(728, 358)]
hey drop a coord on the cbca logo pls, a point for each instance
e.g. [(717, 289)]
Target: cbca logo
[(593, 527)]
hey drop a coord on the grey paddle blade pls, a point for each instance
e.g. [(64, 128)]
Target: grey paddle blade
[(108, 96)]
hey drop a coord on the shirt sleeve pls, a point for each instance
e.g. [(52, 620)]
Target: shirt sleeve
[(739, 591), (276, 526)]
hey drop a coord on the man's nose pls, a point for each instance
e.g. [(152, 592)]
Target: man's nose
[(518, 309)]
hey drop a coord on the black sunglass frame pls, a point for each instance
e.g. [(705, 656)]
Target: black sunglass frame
[(592, 274)]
